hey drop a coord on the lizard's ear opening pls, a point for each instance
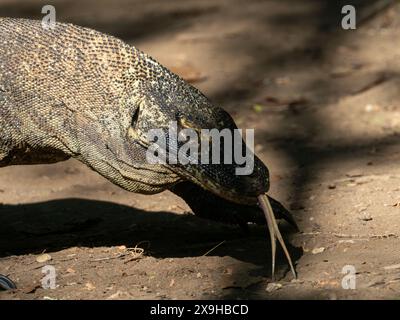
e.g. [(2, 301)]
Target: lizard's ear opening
[(135, 118)]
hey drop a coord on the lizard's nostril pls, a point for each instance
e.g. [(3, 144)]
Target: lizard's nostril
[(135, 118)]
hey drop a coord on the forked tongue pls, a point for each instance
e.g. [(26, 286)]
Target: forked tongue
[(274, 233)]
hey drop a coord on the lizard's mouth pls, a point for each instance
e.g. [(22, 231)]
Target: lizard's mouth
[(222, 181)]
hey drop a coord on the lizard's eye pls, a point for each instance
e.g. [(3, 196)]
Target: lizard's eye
[(182, 122), (132, 130), (135, 118), (185, 124)]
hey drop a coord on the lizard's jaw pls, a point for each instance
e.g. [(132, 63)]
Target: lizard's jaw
[(222, 181)]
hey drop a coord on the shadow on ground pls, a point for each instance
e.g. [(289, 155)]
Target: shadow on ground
[(55, 225)]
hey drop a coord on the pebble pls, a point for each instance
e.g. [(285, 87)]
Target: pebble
[(273, 286)]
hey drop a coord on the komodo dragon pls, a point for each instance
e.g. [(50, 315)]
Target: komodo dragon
[(74, 92)]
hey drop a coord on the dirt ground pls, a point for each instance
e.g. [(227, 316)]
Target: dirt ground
[(325, 106)]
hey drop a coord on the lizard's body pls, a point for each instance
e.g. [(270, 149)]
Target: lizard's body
[(75, 92), (72, 92), (54, 83)]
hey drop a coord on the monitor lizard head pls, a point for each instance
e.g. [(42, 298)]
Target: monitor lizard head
[(180, 130)]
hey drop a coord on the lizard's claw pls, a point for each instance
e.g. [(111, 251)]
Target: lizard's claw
[(6, 283)]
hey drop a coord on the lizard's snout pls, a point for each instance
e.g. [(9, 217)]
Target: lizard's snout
[(224, 181), (255, 183), (246, 188)]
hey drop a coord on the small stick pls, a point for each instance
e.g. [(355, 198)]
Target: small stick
[(212, 249)]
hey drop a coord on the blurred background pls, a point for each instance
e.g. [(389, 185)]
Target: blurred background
[(324, 103)]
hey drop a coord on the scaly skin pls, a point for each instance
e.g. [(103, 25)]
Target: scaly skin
[(74, 92)]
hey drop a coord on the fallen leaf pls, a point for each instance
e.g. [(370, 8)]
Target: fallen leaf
[(89, 286), (258, 108), (351, 184), (354, 173), (326, 283), (346, 241), (318, 250), (43, 258), (118, 295), (392, 267)]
